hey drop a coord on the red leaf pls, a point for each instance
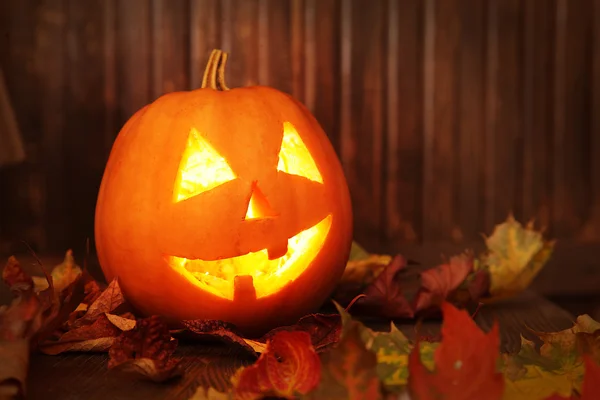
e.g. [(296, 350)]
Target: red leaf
[(384, 297), (479, 286), (324, 330), (465, 362), (290, 366), (591, 380), (437, 283), (219, 330), (146, 350), (92, 290)]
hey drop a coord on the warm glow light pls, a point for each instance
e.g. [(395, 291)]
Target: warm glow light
[(269, 276), (294, 157), (258, 206), (202, 168)]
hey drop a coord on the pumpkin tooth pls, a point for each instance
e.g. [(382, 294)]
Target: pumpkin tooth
[(243, 288), (278, 251)]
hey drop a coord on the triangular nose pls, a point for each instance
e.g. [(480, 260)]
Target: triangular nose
[(258, 205)]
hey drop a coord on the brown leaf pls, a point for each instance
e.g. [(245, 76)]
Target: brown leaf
[(13, 368), (14, 276), (98, 336), (146, 350), (29, 318), (324, 330), (57, 306), (92, 290), (62, 275), (384, 297), (106, 302), (437, 283), (125, 322), (290, 366), (218, 330), (22, 318)]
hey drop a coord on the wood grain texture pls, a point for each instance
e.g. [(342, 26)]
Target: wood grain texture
[(50, 48), (445, 115), (442, 30), (84, 105)]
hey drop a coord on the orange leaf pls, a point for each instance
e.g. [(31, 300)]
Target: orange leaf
[(290, 366), (465, 362)]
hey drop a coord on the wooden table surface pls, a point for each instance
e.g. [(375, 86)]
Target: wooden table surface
[(73, 376)]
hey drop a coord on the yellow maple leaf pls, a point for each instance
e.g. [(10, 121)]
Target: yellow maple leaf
[(557, 368), (392, 350), (515, 256)]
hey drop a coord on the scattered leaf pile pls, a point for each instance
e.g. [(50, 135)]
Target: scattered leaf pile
[(323, 356), (394, 288)]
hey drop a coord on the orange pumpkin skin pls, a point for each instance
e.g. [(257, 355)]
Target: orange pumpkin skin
[(139, 228)]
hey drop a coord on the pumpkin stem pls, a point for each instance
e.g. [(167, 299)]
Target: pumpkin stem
[(214, 74)]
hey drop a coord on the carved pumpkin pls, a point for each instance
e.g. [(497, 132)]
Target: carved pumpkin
[(224, 204)]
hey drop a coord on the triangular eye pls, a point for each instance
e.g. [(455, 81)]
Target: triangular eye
[(202, 168), (294, 157), (258, 205)]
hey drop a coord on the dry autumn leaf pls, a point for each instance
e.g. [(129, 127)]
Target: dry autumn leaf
[(465, 362), (361, 269), (438, 283), (96, 337), (218, 330), (29, 319), (289, 367), (591, 383), (146, 351), (13, 368), (349, 370), (15, 277), (105, 302), (62, 275), (515, 256), (323, 329), (384, 296), (391, 349), (557, 367)]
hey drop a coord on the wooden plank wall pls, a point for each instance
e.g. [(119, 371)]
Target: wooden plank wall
[(446, 114)]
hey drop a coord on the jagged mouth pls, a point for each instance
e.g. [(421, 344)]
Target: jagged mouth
[(266, 276)]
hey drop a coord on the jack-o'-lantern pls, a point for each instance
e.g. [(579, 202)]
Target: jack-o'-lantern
[(226, 204)]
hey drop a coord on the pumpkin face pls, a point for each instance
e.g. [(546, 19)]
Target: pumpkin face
[(226, 205)]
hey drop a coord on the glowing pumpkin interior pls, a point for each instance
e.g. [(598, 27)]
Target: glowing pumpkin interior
[(201, 169)]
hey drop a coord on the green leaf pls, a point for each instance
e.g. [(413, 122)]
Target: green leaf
[(391, 349)]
